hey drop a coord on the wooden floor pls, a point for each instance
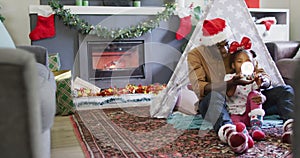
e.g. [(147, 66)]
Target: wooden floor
[(63, 141)]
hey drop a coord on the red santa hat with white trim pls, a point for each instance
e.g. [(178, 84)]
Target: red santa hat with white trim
[(268, 22), (214, 31)]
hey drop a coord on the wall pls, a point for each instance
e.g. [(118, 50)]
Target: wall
[(295, 22), (293, 5), (17, 19), (16, 13), (280, 4)]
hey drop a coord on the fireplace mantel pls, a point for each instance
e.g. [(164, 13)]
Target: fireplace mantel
[(100, 10), (67, 42)]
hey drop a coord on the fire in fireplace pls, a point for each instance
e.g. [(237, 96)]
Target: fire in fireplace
[(116, 59), (116, 63)]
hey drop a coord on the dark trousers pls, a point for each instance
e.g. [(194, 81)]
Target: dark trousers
[(280, 101)]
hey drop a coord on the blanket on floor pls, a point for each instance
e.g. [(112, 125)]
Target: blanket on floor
[(183, 121)]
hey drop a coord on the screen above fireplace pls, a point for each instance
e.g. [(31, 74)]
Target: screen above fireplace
[(116, 59)]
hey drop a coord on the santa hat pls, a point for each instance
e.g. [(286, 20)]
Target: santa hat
[(267, 21), (214, 31)]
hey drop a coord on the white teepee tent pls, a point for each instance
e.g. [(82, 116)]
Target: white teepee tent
[(238, 18)]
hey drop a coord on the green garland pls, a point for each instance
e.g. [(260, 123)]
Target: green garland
[(2, 18), (73, 21)]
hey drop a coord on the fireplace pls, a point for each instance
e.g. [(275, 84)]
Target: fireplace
[(116, 59), (113, 63)]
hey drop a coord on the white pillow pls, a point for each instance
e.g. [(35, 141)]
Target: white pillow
[(5, 38), (186, 101)]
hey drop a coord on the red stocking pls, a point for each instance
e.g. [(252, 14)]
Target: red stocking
[(185, 27), (44, 28)]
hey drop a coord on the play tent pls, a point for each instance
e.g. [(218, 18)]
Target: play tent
[(238, 18)]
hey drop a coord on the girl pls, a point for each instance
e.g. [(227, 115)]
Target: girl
[(244, 102)]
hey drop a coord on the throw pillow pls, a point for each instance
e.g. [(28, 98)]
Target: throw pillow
[(186, 101), (5, 38), (297, 56)]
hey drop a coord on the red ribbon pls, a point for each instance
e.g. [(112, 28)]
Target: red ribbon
[(245, 44)]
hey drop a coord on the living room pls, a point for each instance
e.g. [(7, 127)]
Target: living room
[(18, 14)]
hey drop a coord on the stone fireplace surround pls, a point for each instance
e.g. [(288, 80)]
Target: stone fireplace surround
[(162, 50)]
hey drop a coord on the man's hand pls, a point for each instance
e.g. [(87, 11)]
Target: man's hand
[(238, 80), (260, 77), (262, 81)]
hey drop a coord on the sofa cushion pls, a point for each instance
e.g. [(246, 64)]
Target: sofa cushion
[(5, 38), (282, 49), (287, 69), (47, 88)]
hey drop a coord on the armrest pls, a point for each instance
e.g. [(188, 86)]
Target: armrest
[(282, 49), (40, 53)]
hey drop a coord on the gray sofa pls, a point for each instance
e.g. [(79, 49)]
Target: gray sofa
[(44, 81), (286, 55)]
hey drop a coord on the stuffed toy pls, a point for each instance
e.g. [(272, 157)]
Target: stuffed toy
[(236, 136)]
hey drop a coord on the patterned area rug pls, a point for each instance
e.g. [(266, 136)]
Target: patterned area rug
[(130, 132)]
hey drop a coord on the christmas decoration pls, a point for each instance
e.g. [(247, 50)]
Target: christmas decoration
[(214, 31), (288, 131), (222, 130), (236, 136), (113, 91), (195, 17), (54, 62), (73, 21), (2, 18), (185, 27), (245, 44), (268, 22), (197, 13), (241, 127), (64, 99), (188, 17), (45, 28)]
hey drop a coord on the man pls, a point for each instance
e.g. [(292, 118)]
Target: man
[(208, 65)]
